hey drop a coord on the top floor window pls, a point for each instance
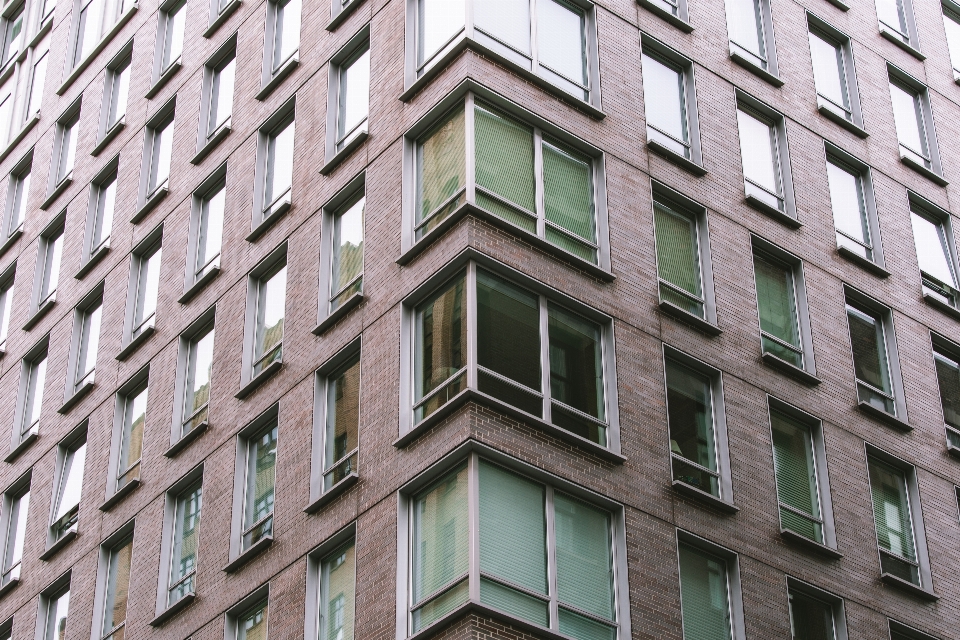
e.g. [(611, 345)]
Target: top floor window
[(834, 75), (951, 24), (913, 117), (94, 21), (12, 35)]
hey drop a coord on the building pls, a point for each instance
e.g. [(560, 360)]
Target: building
[(473, 319)]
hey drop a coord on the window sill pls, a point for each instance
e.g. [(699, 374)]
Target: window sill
[(93, 260), (676, 158), (773, 212), (750, 66), (109, 135), (263, 376), (465, 209), (897, 40), (909, 587), (77, 396), (953, 451), (332, 493), (134, 344), (152, 201), (703, 496), (222, 17), (83, 64), (688, 318), (922, 170), (186, 440), (279, 209), (24, 130), (936, 303), (341, 155), (464, 43), (883, 416), (472, 607), (173, 609), (64, 540), (57, 190), (345, 12), (279, 76), (20, 448), (791, 370), (854, 128), (256, 549), (164, 78), (11, 239), (42, 31), (812, 545), (339, 314), (195, 288), (40, 312), (678, 22), (869, 265), (843, 6), (127, 489), (472, 395), (212, 142), (10, 586)]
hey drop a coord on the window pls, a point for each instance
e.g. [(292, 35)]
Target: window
[(914, 123), (854, 210), (103, 198), (896, 513), (132, 413), (95, 20), (38, 78), (678, 233), (170, 38), (158, 151), (87, 327), (118, 560), (947, 364), (349, 96), (65, 149), (221, 74), (48, 267), (285, 36), (814, 613), (33, 373), (513, 162), (68, 488), (12, 26), (144, 286), (764, 156), (545, 556), (183, 557), (560, 379), (669, 97), (269, 303), (6, 303), (56, 605), (750, 28), (834, 75), (209, 232), (933, 237), (344, 251), (695, 417), (897, 23), (551, 41), (337, 593), (16, 503), (341, 397), (198, 365), (18, 193), (259, 485), (705, 593), (797, 457), (899, 631), (116, 88), (277, 170), (777, 304), (874, 353), (251, 624), (951, 24)]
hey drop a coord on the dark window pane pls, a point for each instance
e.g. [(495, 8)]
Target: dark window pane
[(441, 338), (869, 351), (796, 476), (810, 619), (508, 330), (576, 369), (690, 417), (948, 376)]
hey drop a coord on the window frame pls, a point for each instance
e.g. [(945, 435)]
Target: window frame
[(951, 11), (249, 603), (471, 452), (772, 253), (828, 547), (844, 44), (835, 602), (48, 597), (207, 137), (918, 205), (686, 68), (906, 631), (194, 280), (734, 590), (778, 124), (162, 122), (17, 200), (265, 214), (69, 445), (926, 125), (127, 393), (199, 329), (123, 536), (43, 298), (273, 74), (24, 434), (341, 202), (263, 271), (766, 68), (166, 20), (164, 611), (134, 333), (238, 554), (80, 382), (946, 349), (335, 151), (118, 65), (468, 262), (13, 11), (315, 560), (7, 281), (69, 120), (466, 95), (909, 41), (17, 490), (864, 173), (92, 253)]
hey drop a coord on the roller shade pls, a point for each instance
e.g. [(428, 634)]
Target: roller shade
[(677, 259), (584, 561), (504, 158), (776, 300), (796, 475), (568, 191), (703, 595), (891, 509)]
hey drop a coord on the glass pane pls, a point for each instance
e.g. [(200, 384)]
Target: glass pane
[(36, 86), (576, 363), (505, 20), (71, 485), (568, 191), (664, 100), (933, 252), (810, 619), (253, 625), (354, 94), (776, 299), (13, 34), (584, 558), (849, 211), (952, 27), (118, 102), (441, 605), (343, 421), (746, 25), (89, 342), (118, 587), (758, 150), (106, 205), (261, 481), (197, 385), (173, 40), (51, 267), (869, 349), (441, 168), (347, 248), (16, 533), (678, 258), (287, 36), (691, 422), (222, 102), (891, 13), (908, 118), (279, 176), (796, 475), (562, 46), (828, 70), (703, 595), (56, 623), (271, 299), (183, 560), (891, 509), (6, 296), (162, 154), (948, 378), (338, 589), (514, 602), (513, 535), (38, 374), (583, 628), (504, 159), (439, 21), (147, 288), (131, 445), (21, 189), (441, 338), (440, 536), (210, 235), (506, 310)]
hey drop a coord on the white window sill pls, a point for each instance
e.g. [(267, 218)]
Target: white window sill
[(41, 311), (659, 11), (276, 211), (212, 142), (77, 395), (897, 39), (171, 611), (341, 155), (279, 76), (127, 489), (344, 13), (202, 281), (83, 64), (93, 260), (672, 156), (134, 344), (221, 17), (57, 190), (753, 67), (850, 126), (164, 77), (109, 135), (150, 203), (924, 171)]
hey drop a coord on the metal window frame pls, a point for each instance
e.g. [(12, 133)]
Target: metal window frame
[(23, 432), (13, 493), (315, 591), (15, 194), (945, 349), (864, 174), (259, 425), (731, 561), (122, 62), (930, 166), (265, 213), (172, 496), (81, 338), (266, 268), (246, 605), (74, 440), (335, 146), (778, 125), (764, 65), (844, 43), (224, 54), (938, 216), (142, 253), (195, 277), (122, 537), (199, 329), (835, 603), (345, 198), (162, 122), (109, 173), (684, 66), (69, 120), (53, 592)]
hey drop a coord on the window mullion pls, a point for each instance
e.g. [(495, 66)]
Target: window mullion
[(552, 560), (534, 49), (545, 361), (473, 501), (467, 21), (470, 146), (539, 193), (472, 326)]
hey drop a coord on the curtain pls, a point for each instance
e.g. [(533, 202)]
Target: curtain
[(796, 475), (703, 595)]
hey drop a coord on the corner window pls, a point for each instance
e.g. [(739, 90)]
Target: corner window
[(854, 210), (560, 379), (117, 563), (669, 97), (914, 122), (185, 543), (814, 613), (513, 162), (276, 170), (833, 74), (87, 342), (936, 253), (946, 360), (18, 193), (349, 95), (763, 151), (551, 562), (16, 503), (33, 374), (553, 41), (874, 354), (68, 488), (337, 593), (259, 485), (781, 304), (750, 28), (55, 605)]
